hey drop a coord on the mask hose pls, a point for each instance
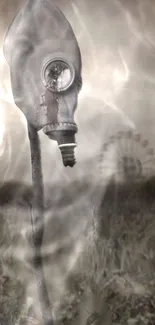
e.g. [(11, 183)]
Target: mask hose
[(38, 225)]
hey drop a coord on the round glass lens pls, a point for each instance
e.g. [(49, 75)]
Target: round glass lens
[(58, 75)]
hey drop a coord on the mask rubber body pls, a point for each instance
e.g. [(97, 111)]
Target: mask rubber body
[(38, 34)]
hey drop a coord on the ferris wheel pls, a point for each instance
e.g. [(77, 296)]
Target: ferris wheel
[(127, 157)]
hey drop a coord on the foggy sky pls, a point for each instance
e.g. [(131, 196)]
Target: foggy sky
[(117, 40)]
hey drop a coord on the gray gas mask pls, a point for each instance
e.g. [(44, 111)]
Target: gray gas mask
[(45, 65), (45, 68)]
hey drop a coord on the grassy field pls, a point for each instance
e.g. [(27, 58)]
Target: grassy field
[(112, 278)]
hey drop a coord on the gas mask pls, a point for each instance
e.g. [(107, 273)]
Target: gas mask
[(45, 66)]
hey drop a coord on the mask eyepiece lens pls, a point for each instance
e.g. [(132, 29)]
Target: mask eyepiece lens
[(58, 75)]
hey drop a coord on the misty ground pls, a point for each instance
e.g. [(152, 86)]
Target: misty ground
[(112, 278)]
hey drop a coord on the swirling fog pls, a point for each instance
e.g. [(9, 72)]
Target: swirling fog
[(117, 42)]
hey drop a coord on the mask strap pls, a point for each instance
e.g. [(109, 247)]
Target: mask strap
[(38, 225)]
